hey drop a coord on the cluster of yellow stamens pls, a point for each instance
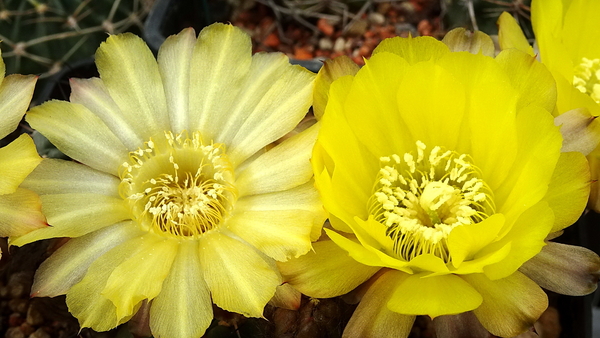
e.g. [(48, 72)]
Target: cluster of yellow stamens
[(420, 200), (587, 78), (178, 185)]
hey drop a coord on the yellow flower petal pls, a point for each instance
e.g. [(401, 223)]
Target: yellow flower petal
[(367, 254), (94, 96), (529, 177), (16, 92), (174, 59), (67, 266), (18, 159), (214, 82), (527, 239), (510, 34), (85, 300), (579, 28), (80, 134), (284, 167), (247, 106), (280, 234), (74, 215), (434, 296), (140, 276), (303, 197), (183, 308), (53, 176), (337, 136), (594, 162), (326, 272), (372, 317), (233, 285), (330, 71), (565, 269), (510, 305), (131, 76), (381, 78), (569, 189), (530, 78), (266, 110), (413, 50), (465, 241), (20, 213), (461, 40), (430, 93)]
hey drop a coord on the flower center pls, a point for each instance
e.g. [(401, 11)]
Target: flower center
[(587, 78), (178, 185), (421, 200)]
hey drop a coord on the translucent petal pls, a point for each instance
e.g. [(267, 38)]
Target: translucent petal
[(430, 99), (434, 296), (330, 71), (284, 167), (325, 272), (510, 34), (569, 189), (413, 50), (374, 92), (131, 76), (61, 177), (221, 59), (94, 96), (141, 275), (20, 213), (537, 155), (530, 78), (70, 262), (80, 134), (74, 215), (461, 40), (303, 197), (183, 308), (464, 241), (18, 160), (174, 59), (526, 237), (239, 278), (85, 300), (16, 92), (280, 234)]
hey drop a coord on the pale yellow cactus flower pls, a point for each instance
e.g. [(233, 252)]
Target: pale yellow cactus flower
[(175, 201)]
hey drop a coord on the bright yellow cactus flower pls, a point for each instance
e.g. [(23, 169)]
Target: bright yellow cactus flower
[(443, 175), (569, 45), (18, 158), (175, 201)]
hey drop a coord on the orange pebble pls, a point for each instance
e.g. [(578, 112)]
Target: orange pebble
[(324, 26), (272, 40), (302, 53)]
